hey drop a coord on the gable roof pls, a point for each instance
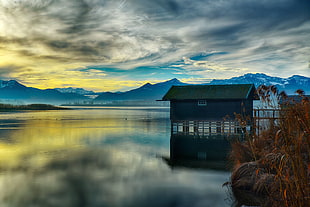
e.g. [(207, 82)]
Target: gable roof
[(209, 92)]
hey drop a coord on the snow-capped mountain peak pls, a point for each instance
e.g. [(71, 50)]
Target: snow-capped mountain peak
[(80, 91), (10, 84), (289, 85)]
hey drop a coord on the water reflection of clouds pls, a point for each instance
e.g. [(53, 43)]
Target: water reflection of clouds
[(110, 177), (91, 158)]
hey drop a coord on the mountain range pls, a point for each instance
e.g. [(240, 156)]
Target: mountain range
[(145, 92), (13, 90), (289, 85)]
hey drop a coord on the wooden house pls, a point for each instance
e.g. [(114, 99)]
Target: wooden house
[(210, 109), (203, 118)]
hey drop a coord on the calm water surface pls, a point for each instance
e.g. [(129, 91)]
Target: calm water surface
[(97, 157)]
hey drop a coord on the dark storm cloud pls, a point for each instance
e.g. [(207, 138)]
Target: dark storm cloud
[(81, 20), (6, 72), (59, 44), (80, 50), (256, 18)]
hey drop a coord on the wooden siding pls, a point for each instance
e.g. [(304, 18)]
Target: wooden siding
[(213, 110)]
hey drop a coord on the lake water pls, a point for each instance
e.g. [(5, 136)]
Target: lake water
[(97, 157)]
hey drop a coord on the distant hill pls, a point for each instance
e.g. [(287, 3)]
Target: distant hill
[(289, 85), (12, 90), (9, 107), (150, 92)]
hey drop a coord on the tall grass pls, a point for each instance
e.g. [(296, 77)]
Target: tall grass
[(273, 169)]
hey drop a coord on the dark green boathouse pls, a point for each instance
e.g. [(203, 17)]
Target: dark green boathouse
[(203, 118)]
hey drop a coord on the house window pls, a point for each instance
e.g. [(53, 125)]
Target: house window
[(202, 102)]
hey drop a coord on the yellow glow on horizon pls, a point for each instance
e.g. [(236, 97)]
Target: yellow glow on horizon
[(46, 73), (96, 85)]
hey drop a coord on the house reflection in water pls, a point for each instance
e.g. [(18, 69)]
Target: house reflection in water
[(203, 119)]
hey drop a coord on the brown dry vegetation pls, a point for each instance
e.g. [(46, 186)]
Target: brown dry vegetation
[(273, 169)]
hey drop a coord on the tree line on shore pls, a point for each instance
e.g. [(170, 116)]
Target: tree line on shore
[(10, 107)]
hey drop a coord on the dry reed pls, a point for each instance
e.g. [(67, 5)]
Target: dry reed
[(273, 169)]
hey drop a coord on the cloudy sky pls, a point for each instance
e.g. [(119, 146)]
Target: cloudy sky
[(115, 45)]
